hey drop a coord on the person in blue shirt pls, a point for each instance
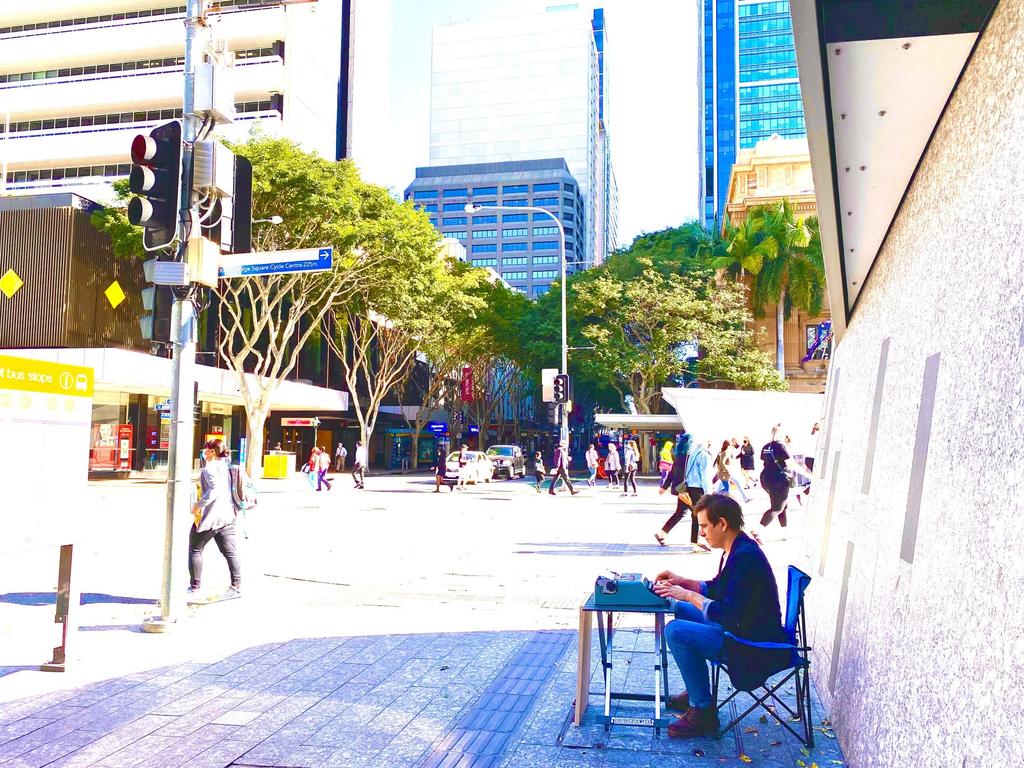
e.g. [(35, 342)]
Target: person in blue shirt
[(689, 477), (742, 599)]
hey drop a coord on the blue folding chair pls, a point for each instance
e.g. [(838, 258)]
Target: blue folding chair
[(799, 667)]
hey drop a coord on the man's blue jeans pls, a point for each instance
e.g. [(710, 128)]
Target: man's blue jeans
[(693, 640)]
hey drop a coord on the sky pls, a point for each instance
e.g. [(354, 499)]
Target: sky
[(650, 103)]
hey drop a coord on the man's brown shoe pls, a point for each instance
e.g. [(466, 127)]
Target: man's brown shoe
[(696, 722), (680, 702)]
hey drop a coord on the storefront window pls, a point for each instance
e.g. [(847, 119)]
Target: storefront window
[(109, 418)]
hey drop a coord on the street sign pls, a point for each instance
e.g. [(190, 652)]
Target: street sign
[(276, 262), (300, 422)]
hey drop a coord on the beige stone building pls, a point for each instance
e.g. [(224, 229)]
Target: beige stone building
[(773, 170)]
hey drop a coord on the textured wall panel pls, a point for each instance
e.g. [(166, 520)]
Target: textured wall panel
[(929, 670)]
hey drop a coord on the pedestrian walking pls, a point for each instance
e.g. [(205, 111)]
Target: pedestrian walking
[(359, 465), (463, 466), (746, 457), (538, 470), (592, 465), (688, 481), (630, 462), (312, 466), (322, 468), (612, 465), (665, 460), (561, 463), (440, 464), (774, 478), (215, 516), (722, 462), (339, 457)]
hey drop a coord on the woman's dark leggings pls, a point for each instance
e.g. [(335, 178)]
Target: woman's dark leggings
[(628, 476), (225, 538), (681, 509), (778, 493), (613, 477)]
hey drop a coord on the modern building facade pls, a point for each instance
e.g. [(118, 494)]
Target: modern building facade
[(525, 88), (80, 78), (523, 248), (750, 88), (607, 203), (773, 170)]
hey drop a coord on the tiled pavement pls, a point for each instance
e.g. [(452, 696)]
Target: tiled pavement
[(486, 700)]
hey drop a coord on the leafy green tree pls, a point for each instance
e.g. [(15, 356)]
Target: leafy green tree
[(126, 240), (642, 330)]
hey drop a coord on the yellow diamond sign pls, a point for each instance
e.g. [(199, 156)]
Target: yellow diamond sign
[(10, 283), (114, 294)]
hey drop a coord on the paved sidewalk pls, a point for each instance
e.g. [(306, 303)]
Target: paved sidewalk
[(483, 699)]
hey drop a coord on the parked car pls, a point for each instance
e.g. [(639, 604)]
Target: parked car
[(508, 460), (479, 468)]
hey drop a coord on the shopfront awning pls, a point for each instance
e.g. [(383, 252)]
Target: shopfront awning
[(120, 370)]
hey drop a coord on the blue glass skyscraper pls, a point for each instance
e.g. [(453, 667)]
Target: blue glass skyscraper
[(749, 88)]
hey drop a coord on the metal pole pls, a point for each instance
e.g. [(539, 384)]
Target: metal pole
[(564, 421), (183, 344)]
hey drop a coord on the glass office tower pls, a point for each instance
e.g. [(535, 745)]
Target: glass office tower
[(750, 88)]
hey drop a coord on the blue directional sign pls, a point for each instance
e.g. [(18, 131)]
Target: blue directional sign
[(276, 262)]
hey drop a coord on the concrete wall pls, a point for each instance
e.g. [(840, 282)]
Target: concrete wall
[(915, 606)]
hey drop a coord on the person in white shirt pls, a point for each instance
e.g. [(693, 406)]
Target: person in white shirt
[(339, 458), (323, 467), (359, 465), (592, 460)]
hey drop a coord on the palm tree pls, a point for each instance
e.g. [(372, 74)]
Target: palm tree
[(749, 246), (795, 275)]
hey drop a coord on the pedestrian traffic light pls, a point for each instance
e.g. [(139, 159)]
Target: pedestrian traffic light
[(562, 388), (155, 179), (158, 301)]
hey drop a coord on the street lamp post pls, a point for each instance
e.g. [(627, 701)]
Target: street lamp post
[(470, 208)]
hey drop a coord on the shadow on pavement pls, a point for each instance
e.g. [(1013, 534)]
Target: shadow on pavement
[(87, 598)]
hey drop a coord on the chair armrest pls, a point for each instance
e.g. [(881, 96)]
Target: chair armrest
[(766, 644)]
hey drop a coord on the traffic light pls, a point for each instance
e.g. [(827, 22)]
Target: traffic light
[(155, 178), (157, 300), (563, 386)]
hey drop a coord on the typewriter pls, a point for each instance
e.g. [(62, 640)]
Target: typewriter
[(626, 590)]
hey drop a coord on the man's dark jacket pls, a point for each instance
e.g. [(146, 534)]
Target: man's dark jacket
[(746, 603)]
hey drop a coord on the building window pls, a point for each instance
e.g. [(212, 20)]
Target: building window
[(509, 218), (460, 235), (425, 194), (515, 232), (485, 219), (515, 189), (545, 201), (514, 275), (429, 207), (568, 188), (568, 216), (514, 261), (485, 248), (546, 245), (454, 221), (545, 231), (454, 207), (546, 259), (545, 274), (485, 190), (568, 202), (433, 221), (485, 262), (505, 247), (515, 203), (569, 232), (454, 193), (485, 202), (540, 290), (484, 233), (552, 187)]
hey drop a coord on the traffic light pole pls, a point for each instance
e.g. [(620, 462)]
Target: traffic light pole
[(183, 344)]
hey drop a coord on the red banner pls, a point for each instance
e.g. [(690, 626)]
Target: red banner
[(124, 446), (467, 384)]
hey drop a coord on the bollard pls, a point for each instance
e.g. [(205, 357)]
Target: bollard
[(67, 610)]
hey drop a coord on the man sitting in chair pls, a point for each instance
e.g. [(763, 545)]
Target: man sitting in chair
[(742, 599)]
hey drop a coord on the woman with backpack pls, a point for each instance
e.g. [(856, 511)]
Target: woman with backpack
[(215, 516), (775, 478), (630, 461)]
